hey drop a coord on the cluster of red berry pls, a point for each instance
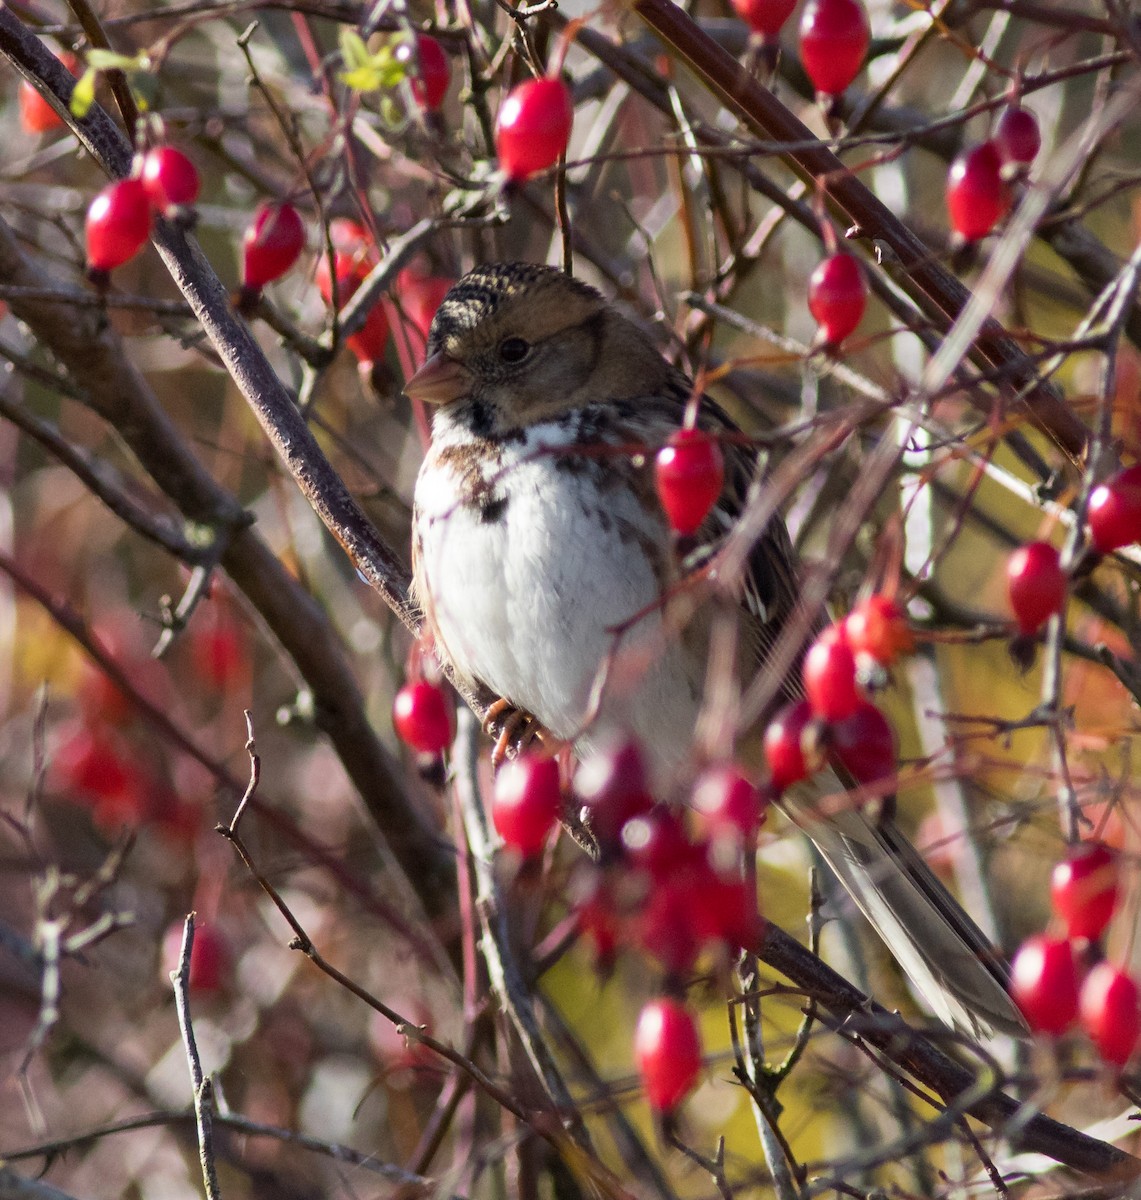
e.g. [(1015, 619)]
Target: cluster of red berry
[(834, 36), (836, 722), (1036, 582), (1059, 981), (120, 217), (978, 194)]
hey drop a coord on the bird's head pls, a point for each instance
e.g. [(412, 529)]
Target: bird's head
[(516, 343)]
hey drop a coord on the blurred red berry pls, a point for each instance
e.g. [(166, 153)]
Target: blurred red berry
[(864, 743), (834, 38), (1111, 1013), (211, 959), (218, 653), (271, 245), (1114, 513), (1044, 984), (533, 127), (667, 1050), (1016, 135), (432, 74), (837, 296), (527, 802), (784, 751), (1036, 585), (170, 178), (90, 765), (423, 717), (976, 194), (656, 842), (36, 114), (118, 225), (420, 296), (765, 17), (878, 628), (728, 801), (830, 676), (688, 473), (612, 786), (1083, 889)]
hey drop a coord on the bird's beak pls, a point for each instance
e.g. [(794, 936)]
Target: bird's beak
[(439, 381)]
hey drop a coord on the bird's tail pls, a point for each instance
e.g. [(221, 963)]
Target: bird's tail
[(942, 951)]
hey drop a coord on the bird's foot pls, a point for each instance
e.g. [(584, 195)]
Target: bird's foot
[(513, 730)]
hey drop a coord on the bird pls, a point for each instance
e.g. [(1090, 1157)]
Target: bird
[(546, 572)]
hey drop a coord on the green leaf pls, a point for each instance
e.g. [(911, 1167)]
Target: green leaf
[(108, 60), (83, 94), (361, 79), (353, 49)]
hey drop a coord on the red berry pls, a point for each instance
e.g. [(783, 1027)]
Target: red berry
[(837, 296), (688, 473), (423, 717), (210, 957), (1114, 512), (656, 842), (596, 914), (1036, 584), (864, 744), (611, 784), (36, 114), (271, 245), (830, 676), (527, 802), (784, 750), (169, 177), (667, 1050), (976, 194), (723, 905), (1044, 984), (118, 225), (1016, 135), (728, 801), (420, 296), (878, 628), (834, 37), (1111, 1013), (90, 765), (219, 654), (1083, 889), (533, 127), (765, 16), (433, 72)]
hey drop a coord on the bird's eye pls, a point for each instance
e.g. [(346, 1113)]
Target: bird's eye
[(514, 350)]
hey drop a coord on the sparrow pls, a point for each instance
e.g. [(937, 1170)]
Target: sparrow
[(546, 571)]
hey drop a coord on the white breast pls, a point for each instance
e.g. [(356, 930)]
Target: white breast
[(527, 596)]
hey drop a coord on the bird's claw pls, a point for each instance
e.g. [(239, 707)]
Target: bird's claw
[(512, 729)]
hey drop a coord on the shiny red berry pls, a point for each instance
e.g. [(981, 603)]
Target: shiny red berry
[(688, 473), (1111, 1013), (837, 296), (834, 37), (656, 842), (728, 801), (878, 628), (423, 718), (667, 1051), (1044, 984), (1083, 889), (271, 245), (1114, 513), (170, 178), (765, 17), (830, 677), (432, 74), (527, 802), (976, 194), (1036, 585), (864, 744), (784, 750), (612, 786), (118, 225), (1016, 135), (533, 127), (420, 296)]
